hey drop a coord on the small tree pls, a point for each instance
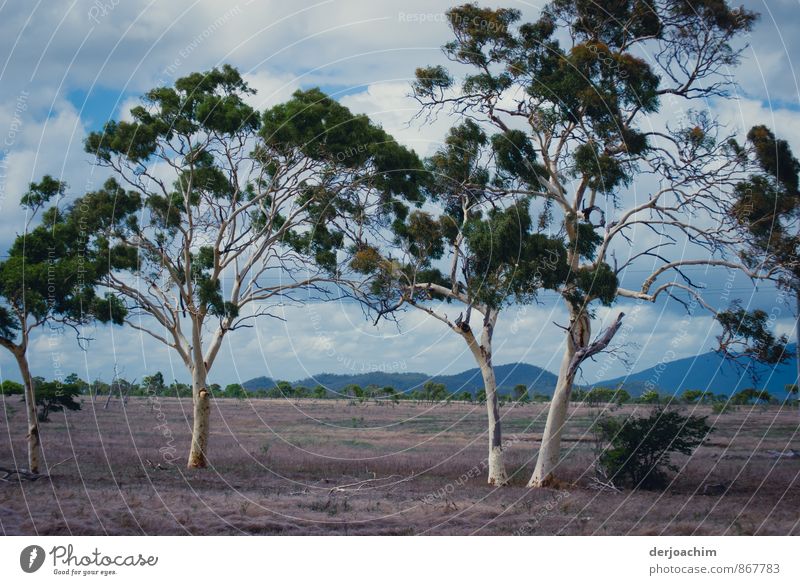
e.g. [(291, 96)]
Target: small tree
[(356, 392), (638, 448), (391, 393), (11, 388), (521, 394), (600, 395), (751, 396), (47, 279), (697, 397), (434, 391), (235, 391), (154, 384), (649, 397), (55, 397)]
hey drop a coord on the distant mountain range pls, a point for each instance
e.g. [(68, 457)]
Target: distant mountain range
[(508, 376), (707, 371)]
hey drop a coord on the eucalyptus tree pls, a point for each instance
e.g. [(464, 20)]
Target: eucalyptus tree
[(767, 211), (480, 251), (215, 214), (46, 280), (585, 84)]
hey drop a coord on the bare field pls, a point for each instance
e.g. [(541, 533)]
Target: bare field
[(330, 467)]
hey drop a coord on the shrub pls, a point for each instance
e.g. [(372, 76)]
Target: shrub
[(638, 448)]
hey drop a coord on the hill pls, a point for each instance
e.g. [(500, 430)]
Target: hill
[(508, 376), (707, 371)]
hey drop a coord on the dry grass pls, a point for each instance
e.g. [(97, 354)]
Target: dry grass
[(278, 467)]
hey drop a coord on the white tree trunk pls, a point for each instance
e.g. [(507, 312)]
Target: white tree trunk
[(550, 451), (201, 411), (483, 356), (497, 468), (34, 441)]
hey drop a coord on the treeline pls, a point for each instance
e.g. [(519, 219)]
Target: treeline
[(55, 395)]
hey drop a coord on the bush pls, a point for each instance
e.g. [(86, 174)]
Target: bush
[(638, 448)]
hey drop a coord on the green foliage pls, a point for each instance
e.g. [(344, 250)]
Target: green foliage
[(39, 194), (638, 448), (521, 394), (594, 283), (649, 397), (49, 254), (579, 80), (55, 397), (601, 395), (516, 158), (751, 396), (235, 391), (431, 80), (432, 391), (355, 392), (154, 384), (767, 211), (322, 129), (697, 397), (10, 388), (212, 102), (745, 334), (179, 390), (508, 261)]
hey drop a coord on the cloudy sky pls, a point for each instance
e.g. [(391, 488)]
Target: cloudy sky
[(67, 67)]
